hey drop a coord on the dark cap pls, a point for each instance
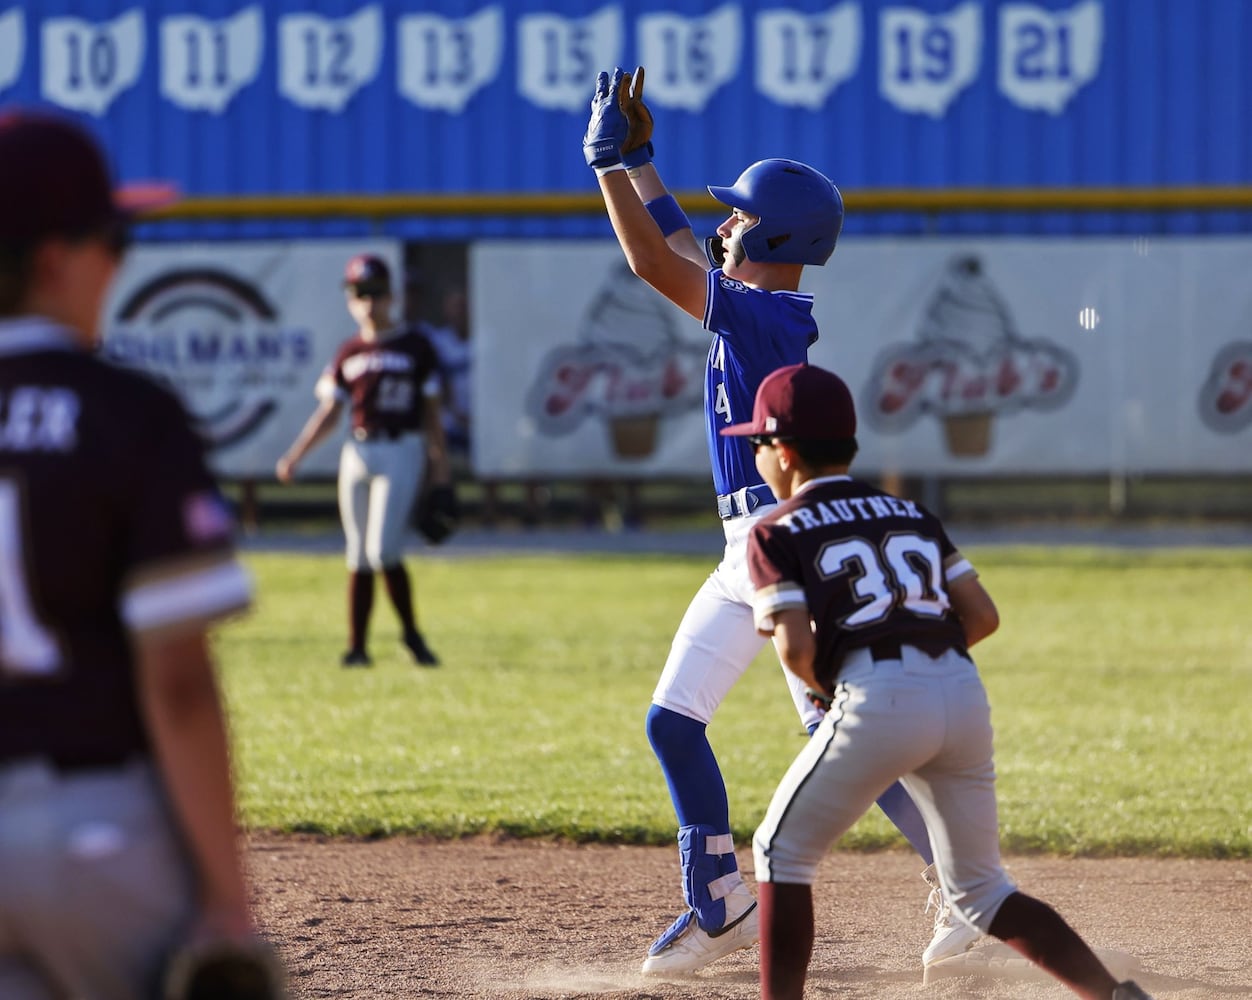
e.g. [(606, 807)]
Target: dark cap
[(802, 402), (367, 272), (54, 182)]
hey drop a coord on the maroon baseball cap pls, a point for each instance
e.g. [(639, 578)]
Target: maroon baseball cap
[(802, 402), (54, 181), (367, 272)]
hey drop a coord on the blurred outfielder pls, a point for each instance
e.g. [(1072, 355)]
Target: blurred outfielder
[(743, 287), (388, 376)]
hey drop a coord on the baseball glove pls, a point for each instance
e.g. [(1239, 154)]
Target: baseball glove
[(637, 146), (437, 514), (225, 970)]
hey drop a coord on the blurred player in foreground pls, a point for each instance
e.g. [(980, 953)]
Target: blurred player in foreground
[(869, 603), (784, 215), (118, 850), (389, 377)]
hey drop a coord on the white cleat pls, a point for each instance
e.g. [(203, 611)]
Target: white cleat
[(951, 937), (693, 948)]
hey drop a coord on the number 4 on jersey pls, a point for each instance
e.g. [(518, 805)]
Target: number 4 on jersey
[(721, 405)]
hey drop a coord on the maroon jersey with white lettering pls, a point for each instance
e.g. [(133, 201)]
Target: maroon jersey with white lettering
[(385, 381), (111, 527), (867, 566)]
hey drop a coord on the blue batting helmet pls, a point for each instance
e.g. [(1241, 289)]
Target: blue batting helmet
[(801, 211)]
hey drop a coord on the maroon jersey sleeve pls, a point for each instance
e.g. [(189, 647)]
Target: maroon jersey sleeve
[(179, 562), (332, 384), (777, 578), (430, 368)]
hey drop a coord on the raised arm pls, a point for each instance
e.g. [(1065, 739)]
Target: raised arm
[(648, 234), (637, 153)]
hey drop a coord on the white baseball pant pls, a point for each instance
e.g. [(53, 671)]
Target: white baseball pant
[(379, 479), (717, 638), (95, 887), (924, 721)]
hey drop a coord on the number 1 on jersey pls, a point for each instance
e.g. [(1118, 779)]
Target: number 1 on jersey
[(26, 646)]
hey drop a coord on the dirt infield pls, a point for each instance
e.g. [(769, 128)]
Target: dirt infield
[(516, 920)]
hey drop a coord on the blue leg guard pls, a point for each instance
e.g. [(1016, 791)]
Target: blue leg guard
[(710, 873)]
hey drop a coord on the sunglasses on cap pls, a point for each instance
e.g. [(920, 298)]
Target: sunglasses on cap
[(369, 291)]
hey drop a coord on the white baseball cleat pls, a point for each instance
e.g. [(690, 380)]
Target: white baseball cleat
[(693, 947), (952, 937)]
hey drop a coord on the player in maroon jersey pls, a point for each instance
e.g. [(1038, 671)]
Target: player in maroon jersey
[(388, 376), (117, 824), (870, 604)]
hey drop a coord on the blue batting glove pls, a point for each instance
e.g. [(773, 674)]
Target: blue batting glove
[(608, 126)]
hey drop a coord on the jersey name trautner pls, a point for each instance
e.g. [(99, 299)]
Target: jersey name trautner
[(868, 567), (823, 512)]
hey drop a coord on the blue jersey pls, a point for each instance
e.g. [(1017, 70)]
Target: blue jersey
[(754, 332)]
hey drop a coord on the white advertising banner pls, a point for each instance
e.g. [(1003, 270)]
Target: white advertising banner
[(241, 331), (967, 357)]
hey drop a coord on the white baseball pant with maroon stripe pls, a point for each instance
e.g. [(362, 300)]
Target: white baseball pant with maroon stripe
[(925, 721)]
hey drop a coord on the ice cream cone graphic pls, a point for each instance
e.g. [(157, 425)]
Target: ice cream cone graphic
[(968, 435), (965, 311), (628, 320), (634, 437)]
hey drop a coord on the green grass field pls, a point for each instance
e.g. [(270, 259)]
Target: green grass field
[(1120, 681)]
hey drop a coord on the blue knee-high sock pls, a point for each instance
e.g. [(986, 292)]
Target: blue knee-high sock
[(900, 809), (695, 781)]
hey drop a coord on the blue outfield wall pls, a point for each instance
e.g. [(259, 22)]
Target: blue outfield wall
[(439, 96)]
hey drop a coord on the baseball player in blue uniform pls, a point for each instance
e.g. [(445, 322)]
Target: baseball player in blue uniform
[(389, 378), (784, 215), (870, 604)]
